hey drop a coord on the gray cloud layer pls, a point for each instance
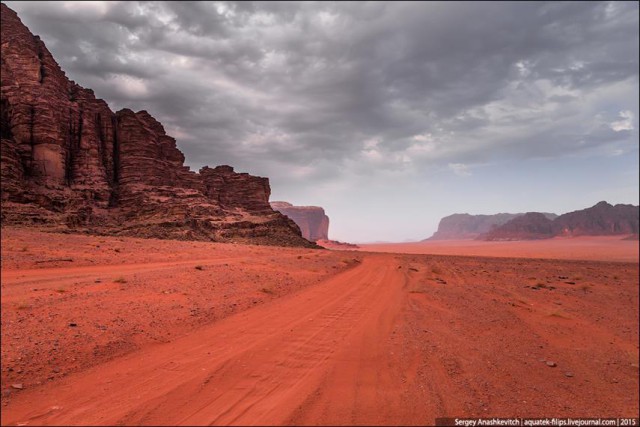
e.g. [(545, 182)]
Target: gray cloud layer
[(310, 90)]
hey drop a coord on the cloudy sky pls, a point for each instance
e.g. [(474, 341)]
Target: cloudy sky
[(388, 115)]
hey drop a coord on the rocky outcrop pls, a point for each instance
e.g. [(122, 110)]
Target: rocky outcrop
[(602, 219), (313, 222), (530, 226), (69, 162), (336, 244), (465, 226)]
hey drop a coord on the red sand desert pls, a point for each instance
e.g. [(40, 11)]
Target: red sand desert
[(592, 248), (124, 331)]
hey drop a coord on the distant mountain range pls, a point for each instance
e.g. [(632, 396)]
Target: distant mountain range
[(602, 219), (466, 226)]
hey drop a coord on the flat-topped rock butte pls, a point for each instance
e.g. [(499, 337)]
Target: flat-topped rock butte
[(313, 222)]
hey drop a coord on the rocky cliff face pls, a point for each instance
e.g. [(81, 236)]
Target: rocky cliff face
[(69, 162), (602, 219), (530, 226), (313, 222), (465, 226)]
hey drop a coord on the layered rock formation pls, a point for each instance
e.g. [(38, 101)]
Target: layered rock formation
[(313, 222), (530, 226), (69, 162), (602, 219), (465, 226)]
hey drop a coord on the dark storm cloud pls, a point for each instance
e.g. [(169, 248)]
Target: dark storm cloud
[(386, 85)]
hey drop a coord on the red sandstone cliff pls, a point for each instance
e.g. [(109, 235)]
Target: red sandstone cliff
[(313, 222), (68, 161)]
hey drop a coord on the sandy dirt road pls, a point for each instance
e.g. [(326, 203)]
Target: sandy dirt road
[(395, 340), (257, 367)]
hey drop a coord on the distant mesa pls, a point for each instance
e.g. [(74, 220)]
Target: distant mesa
[(530, 226), (466, 226), (70, 163), (602, 219), (313, 222)]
